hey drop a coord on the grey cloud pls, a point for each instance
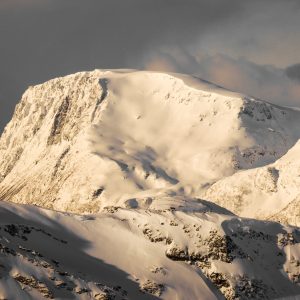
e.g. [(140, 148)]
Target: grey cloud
[(261, 81), (41, 39), (293, 72)]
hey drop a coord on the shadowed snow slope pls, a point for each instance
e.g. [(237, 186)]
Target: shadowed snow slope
[(124, 137), (145, 254)]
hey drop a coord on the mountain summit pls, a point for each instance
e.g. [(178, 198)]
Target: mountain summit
[(123, 138)]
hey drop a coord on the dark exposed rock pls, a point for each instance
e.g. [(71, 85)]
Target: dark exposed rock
[(35, 284), (98, 192), (152, 288), (256, 109), (58, 124), (156, 236), (176, 253), (111, 209), (80, 290), (246, 288), (7, 250), (219, 280), (288, 238), (223, 248)]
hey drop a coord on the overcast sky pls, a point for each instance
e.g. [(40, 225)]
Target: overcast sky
[(248, 46)]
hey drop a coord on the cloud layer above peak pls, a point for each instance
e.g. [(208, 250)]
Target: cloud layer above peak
[(243, 45)]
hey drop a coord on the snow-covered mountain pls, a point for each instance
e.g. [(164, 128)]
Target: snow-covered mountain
[(102, 138), (158, 178), (270, 192)]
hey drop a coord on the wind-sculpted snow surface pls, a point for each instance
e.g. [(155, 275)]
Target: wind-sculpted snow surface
[(94, 139), (204, 253)]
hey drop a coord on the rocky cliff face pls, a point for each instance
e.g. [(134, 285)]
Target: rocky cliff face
[(37, 145)]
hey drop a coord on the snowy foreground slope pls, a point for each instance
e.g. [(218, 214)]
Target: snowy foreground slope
[(123, 138), (160, 180), (204, 253)]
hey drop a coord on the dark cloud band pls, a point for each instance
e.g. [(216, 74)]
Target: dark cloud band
[(293, 72)]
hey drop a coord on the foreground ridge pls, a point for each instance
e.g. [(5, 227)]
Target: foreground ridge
[(145, 254)]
